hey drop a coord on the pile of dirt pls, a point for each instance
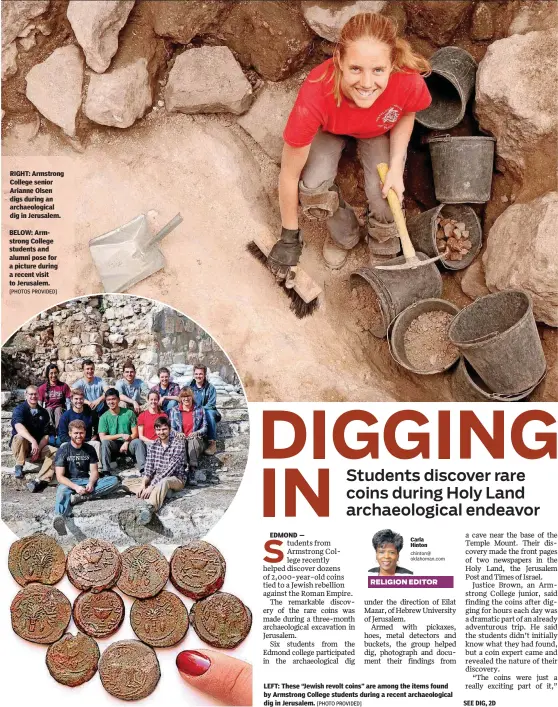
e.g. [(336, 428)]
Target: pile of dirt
[(426, 342), (368, 315)]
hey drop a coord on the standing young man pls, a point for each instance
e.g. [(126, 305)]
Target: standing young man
[(78, 411), (77, 475), (93, 387), (168, 391), (164, 470), (30, 430), (118, 430), (205, 396), (146, 420), (132, 390)]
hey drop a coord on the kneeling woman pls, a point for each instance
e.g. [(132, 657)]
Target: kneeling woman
[(191, 421), (370, 90)]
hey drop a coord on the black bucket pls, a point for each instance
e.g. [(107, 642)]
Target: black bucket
[(403, 322), (462, 168), (397, 289), (498, 335), (422, 230), (468, 387), (451, 84)]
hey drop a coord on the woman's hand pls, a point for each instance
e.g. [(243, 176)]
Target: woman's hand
[(217, 674), (394, 180)]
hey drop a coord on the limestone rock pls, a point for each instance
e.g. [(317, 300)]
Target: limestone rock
[(266, 119), (521, 253), (207, 80), (9, 61), (119, 97), (54, 87), (516, 94), (327, 18), (271, 37), (534, 16), (16, 16), (96, 26), (482, 25), (181, 21), (437, 21), (473, 282)]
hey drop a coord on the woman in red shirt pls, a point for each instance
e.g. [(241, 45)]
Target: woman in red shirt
[(370, 90), (53, 395)]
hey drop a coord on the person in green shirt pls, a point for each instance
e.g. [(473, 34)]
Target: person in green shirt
[(118, 430)]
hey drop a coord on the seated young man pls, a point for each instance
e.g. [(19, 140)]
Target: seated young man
[(30, 433), (168, 391), (146, 420), (77, 475), (78, 411), (164, 470), (118, 430), (205, 396), (191, 421), (132, 390)]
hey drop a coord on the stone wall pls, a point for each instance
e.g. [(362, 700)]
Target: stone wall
[(109, 329)]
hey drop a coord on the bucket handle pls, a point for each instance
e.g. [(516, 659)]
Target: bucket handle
[(480, 339), (440, 138)]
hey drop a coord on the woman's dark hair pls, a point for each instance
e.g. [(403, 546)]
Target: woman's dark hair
[(385, 537), (49, 368)]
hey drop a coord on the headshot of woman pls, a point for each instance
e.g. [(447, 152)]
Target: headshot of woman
[(388, 545), (370, 91)]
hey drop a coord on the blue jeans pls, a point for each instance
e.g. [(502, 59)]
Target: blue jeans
[(64, 493), (211, 417), (168, 404)]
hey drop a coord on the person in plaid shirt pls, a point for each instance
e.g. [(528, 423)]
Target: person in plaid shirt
[(164, 471)]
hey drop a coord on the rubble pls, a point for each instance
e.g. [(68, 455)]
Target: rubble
[(452, 238), (327, 18), (427, 344)]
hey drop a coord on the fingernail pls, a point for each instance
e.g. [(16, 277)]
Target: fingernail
[(192, 663)]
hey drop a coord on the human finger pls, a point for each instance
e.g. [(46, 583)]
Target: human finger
[(217, 674)]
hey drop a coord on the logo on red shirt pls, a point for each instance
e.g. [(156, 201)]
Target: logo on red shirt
[(389, 116)]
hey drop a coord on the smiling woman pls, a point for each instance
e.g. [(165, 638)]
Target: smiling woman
[(370, 90), (388, 546)]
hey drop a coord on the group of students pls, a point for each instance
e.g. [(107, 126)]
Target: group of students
[(80, 433)]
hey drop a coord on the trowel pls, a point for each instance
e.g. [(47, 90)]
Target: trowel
[(409, 253), (129, 253)]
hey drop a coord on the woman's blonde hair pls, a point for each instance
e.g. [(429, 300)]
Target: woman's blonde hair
[(371, 25)]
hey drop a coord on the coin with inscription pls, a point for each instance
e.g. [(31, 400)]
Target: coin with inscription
[(93, 564), (221, 620), (73, 660), (197, 569), (145, 571), (160, 621), (129, 670), (40, 613), (37, 558), (98, 614)]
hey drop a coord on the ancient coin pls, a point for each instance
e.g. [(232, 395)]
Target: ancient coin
[(98, 614), (129, 670), (93, 564), (37, 558), (221, 620), (40, 613), (73, 660), (160, 621), (197, 569), (145, 571)]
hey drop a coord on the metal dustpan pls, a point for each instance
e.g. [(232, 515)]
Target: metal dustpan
[(129, 253)]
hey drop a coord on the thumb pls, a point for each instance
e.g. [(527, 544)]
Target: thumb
[(217, 674)]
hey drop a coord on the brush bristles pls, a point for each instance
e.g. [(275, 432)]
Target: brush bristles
[(298, 306)]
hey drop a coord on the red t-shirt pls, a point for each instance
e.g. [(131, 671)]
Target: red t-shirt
[(147, 419), (56, 397), (315, 107), (188, 422)]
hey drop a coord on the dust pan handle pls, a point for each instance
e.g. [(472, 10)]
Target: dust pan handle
[(395, 206), (167, 228)]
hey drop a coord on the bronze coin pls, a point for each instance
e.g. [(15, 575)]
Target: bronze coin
[(197, 569), (93, 564), (73, 660), (145, 571), (160, 621), (129, 670), (40, 613), (98, 614), (221, 620), (37, 558)]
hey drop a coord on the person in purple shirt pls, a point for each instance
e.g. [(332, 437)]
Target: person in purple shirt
[(54, 395)]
